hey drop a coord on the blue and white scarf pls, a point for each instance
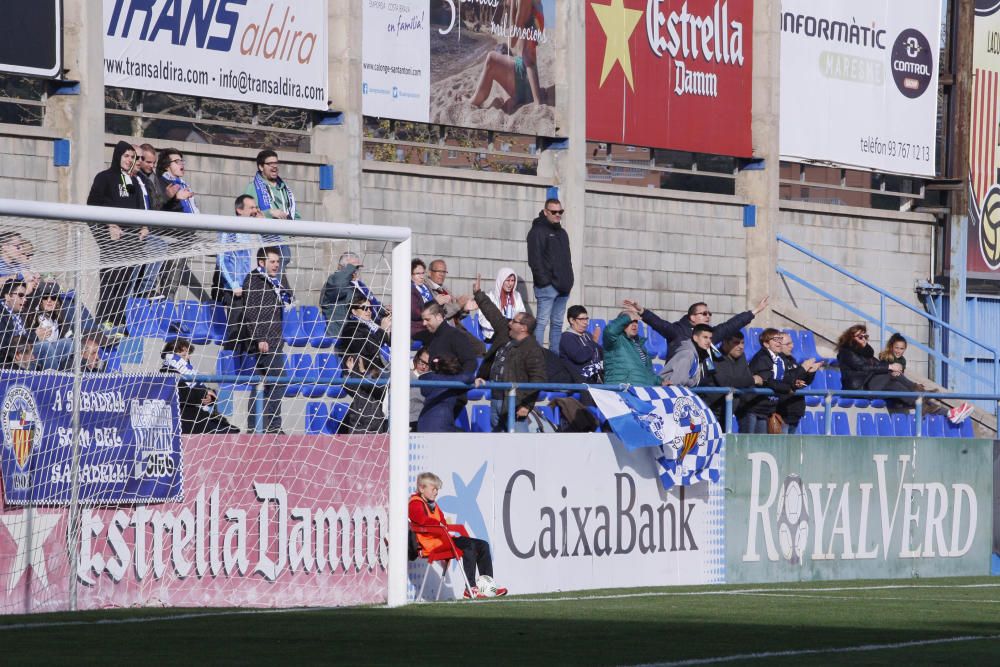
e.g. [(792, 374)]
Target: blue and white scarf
[(425, 292), (183, 367), (264, 199), (187, 204), (279, 289)]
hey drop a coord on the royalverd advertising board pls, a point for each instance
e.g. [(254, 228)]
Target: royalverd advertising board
[(859, 81)]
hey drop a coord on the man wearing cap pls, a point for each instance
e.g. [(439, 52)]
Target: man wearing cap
[(338, 292)]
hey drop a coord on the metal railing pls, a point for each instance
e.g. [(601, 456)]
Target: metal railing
[(510, 394), (883, 325)]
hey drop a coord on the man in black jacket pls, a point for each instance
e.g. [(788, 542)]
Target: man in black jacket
[(698, 313), (731, 370), (13, 294), (117, 188), (793, 407), (265, 295), (551, 271), (771, 367), (514, 356), (446, 339)]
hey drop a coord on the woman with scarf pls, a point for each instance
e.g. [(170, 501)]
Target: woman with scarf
[(861, 369), (360, 344), (196, 399), (274, 199), (420, 295), (505, 297), (178, 197), (582, 349)]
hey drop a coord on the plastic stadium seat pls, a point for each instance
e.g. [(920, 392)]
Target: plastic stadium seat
[(833, 382), (329, 369), (311, 384), (297, 368), (807, 345), (820, 422), (933, 426), (866, 424), (225, 364), (481, 419), (462, 421), (191, 320), (546, 396), (337, 414), (657, 345), (317, 416), (657, 368), (807, 425), (549, 412), (143, 318), (291, 327), (841, 425), (112, 359), (794, 335), (883, 425), (477, 394), (818, 384), (596, 323), (314, 326), (902, 425), (219, 324), (471, 324), (751, 341), (878, 403), (966, 428)]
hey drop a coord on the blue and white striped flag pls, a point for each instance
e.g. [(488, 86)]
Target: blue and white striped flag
[(672, 419)]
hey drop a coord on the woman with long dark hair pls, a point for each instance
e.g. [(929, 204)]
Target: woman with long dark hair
[(438, 414), (861, 369), (360, 344)]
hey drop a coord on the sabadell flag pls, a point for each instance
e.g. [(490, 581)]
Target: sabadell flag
[(670, 74)]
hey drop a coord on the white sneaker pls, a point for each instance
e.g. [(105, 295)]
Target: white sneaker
[(960, 413)]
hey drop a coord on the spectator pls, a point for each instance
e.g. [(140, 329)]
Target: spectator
[(792, 408), (199, 412), (360, 343), (339, 291), (438, 413), (446, 339), (436, 274), (454, 314), (860, 369), (692, 361), (421, 366), (266, 294), (13, 260), (177, 272), (24, 357), (698, 313), (424, 511), (514, 356), (551, 270), (732, 370), (90, 356), (12, 325), (505, 297), (769, 365), (420, 295), (894, 352), (274, 198), (581, 349), (52, 330), (115, 187), (235, 265), (626, 360), (147, 276)]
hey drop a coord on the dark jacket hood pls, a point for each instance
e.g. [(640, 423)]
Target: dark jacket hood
[(116, 156)]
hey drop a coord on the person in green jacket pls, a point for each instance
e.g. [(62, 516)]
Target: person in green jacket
[(625, 357), (274, 199)]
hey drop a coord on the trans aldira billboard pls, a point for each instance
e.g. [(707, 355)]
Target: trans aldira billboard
[(576, 511), (820, 508), (671, 74), (859, 82), (272, 52)]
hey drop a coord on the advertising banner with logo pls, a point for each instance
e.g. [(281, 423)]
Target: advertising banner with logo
[(130, 443), (820, 508), (983, 256), (582, 512), (859, 81), (266, 522), (31, 39), (272, 52), (671, 74), (486, 64)]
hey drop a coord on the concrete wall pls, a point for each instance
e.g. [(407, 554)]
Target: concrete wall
[(26, 170)]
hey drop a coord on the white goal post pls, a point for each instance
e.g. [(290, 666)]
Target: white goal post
[(59, 225)]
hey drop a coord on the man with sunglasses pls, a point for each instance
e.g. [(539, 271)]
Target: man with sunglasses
[(551, 271), (13, 295), (697, 313)]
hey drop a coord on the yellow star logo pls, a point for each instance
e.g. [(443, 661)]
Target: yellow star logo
[(618, 24)]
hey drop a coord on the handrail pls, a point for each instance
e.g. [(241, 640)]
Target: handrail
[(511, 388), (881, 321)]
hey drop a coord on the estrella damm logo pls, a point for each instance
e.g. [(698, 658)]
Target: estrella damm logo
[(989, 228), (22, 427)]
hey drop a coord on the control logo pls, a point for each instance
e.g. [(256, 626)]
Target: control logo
[(912, 63)]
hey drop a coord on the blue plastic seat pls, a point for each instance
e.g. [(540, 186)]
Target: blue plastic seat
[(596, 323), (312, 386), (462, 421), (794, 335), (314, 327), (191, 320), (807, 345), (902, 425), (329, 372), (841, 425), (477, 394), (472, 325), (833, 382), (549, 412), (807, 425), (933, 426), (143, 318), (657, 368), (966, 428), (820, 422), (818, 384), (866, 424), (751, 341), (734, 425), (317, 416), (229, 364), (297, 368), (883, 425), (337, 414), (657, 345), (291, 328), (481, 419), (219, 324)]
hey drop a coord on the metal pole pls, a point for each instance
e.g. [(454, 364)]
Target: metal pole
[(258, 404), (511, 409), (728, 426), (918, 415), (828, 414), (73, 530), (881, 320)]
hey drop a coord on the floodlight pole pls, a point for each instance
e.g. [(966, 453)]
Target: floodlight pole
[(399, 425)]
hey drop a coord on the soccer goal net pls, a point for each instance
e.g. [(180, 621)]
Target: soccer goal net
[(200, 410)]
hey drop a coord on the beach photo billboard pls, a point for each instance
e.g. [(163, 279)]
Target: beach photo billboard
[(484, 64), (859, 83), (667, 74)]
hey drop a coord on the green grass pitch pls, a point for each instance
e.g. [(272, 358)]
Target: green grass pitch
[(908, 622)]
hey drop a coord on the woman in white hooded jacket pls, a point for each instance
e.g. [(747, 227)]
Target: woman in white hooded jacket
[(504, 295)]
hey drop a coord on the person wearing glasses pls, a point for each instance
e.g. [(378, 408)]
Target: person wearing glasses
[(551, 270), (339, 291), (178, 197), (361, 344), (861, 369), (437, 272), (274, 198), (772, 368), (13, 327), (697, 313), (581, 349)]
